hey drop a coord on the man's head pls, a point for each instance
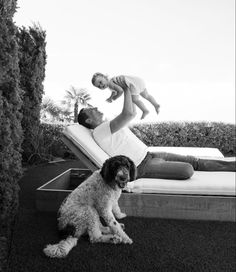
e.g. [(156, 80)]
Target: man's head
[(90, 117), (100, 81)]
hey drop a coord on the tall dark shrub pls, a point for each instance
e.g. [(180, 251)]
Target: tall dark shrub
[(10, 124), (32, 61)]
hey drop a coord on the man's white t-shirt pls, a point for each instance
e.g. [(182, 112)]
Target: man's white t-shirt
[(122, 142)]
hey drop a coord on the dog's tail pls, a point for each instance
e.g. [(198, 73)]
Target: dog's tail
[(61, 249)]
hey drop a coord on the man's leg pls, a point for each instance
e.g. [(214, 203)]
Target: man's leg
[(199, 164), (156, 167), (216, 165), (167, 170)]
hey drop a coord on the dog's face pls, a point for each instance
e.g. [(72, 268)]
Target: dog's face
[(118, 170), (122, 177)]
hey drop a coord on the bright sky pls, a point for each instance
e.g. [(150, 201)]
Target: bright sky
[(183, 49)]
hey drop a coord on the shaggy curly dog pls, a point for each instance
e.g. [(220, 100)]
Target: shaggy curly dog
[(96, 197)]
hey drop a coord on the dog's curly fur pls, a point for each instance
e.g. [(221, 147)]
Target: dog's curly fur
[(96, 197)]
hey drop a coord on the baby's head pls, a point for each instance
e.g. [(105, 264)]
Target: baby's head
[(100, 81)]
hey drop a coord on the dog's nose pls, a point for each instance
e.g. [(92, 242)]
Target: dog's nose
[(122, 184)]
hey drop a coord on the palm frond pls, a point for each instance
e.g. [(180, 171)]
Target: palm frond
[(76, 97)]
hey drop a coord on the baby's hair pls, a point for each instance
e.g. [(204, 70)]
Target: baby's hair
[(97, 75)]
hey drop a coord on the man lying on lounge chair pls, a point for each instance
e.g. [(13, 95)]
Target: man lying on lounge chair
[(115, 138)]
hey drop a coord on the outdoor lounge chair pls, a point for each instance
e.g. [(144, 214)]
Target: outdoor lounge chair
[(206, 196)]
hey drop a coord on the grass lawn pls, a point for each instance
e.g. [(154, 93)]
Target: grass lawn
[(159, 244)]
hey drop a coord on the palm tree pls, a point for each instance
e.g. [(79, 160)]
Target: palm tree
[(50, 110), (75, 97)]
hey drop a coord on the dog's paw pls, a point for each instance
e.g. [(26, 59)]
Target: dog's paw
[(121, 215), (127, 240), (116, 239), (105, 230), (122, 226)]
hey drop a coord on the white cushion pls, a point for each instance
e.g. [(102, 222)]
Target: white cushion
[(203, 183), (203, 152), (82, 137)]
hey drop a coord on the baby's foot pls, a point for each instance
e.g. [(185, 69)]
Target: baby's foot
[(144, 114), (157, 108), (109, 100)]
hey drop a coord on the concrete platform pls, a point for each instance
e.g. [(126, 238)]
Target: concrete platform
[(188, 205)]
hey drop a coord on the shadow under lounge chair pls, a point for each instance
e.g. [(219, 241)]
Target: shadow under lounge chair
[(206, 196)]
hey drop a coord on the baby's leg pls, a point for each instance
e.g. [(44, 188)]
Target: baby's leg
[(140, 104), (151, 99)]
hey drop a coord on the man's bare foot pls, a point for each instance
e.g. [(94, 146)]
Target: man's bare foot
[(144, 114)]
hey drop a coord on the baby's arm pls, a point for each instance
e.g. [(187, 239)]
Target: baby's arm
[(116, 91), (113, 94)]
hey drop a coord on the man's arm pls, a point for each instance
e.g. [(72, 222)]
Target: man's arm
[(127, 114)]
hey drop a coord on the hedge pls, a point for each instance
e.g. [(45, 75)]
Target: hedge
[(189, 134), (10, 125), (32, 61), (219, 135)]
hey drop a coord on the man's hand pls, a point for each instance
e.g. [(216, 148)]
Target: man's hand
[(127, 114)]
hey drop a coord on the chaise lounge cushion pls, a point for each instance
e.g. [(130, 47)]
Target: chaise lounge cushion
[(82, 137), (200, 152), (201, 183), (206, 183)]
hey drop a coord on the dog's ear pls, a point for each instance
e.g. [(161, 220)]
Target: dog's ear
[(132, 170), (106, 172)]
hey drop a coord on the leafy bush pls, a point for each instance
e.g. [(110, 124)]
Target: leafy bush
[(47, 144), (10, 125), (189, 134), (32, 61), (218, 135), (53, 143)]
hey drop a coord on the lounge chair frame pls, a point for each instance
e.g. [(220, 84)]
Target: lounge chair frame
[(175, 206)]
